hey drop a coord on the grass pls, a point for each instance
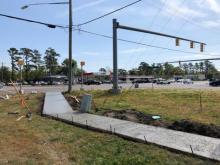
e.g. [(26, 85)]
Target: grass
[(172, 104), (46, 141)]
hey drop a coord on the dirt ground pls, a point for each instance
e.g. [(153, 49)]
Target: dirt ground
[(140, 117), (182, 125)]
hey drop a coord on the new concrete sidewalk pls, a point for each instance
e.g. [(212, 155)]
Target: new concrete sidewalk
[(56, 106)]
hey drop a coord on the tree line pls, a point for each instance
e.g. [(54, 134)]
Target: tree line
[(36, 65), (168, 70)]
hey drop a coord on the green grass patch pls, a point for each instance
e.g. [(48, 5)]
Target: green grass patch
[(172, 104), (46, 141)]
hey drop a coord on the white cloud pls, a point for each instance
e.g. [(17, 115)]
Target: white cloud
[(79, 8), (211, 24), (213, 5), (132, 51), (88, 5), (178, 9), (91, 53)]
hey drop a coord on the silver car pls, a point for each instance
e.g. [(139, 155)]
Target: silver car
[(2, 85)]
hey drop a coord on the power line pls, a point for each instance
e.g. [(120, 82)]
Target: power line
[(164, 25), (151, 24), (185, 21), (143, 44), (102, 16), (205, 59), (32, 21)]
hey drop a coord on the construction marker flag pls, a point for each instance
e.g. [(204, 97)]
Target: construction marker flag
[(22, 103)]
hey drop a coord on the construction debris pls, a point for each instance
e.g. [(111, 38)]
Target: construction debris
[(34, 92), (75, 99), (20, 118), (23, 103), (4, 98), (13, 113)]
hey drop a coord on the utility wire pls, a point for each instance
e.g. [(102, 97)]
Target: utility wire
[(32, 21), (148, 45), (152, 23), (102, 16), (171, 18), (185, 21), (205, 59)]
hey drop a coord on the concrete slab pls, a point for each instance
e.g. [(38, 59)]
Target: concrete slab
[(55, 103)]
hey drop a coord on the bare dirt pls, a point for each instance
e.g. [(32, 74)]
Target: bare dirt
[(182, 125), (140, 117)]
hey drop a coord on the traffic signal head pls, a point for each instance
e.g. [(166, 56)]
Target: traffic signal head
[(177, 42), (191, 44), (201, 47)]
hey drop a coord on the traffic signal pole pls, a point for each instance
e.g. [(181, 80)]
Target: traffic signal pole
[(116, 26)]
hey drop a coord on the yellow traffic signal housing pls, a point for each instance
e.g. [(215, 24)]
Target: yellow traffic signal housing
[(177, 42), (191, 44), (201, 47)]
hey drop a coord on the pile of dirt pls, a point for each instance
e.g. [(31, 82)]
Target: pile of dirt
[(197, 128), (74, 102), (135, 116), (182, 125)]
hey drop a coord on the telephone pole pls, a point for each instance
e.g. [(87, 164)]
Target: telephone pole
[(2, 77), (70, 47)]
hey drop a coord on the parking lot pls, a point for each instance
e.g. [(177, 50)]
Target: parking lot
[(196, 85)]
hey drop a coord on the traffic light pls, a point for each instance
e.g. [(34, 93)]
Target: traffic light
[(201, 47), (191, 44), (177, 42)]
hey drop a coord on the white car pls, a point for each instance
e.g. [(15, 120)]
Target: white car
[(2, 85), (180, 80), (187, 81)]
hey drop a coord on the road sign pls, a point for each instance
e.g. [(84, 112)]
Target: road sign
[(20, 62), (82, 63)]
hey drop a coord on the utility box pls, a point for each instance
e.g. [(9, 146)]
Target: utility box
[(86, 103), (136, 85)]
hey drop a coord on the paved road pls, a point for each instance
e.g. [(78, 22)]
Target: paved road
[(61, 88)]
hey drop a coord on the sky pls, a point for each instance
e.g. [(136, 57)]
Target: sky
[(193, 19)]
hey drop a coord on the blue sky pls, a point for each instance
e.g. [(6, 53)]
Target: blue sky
[(193, 19)]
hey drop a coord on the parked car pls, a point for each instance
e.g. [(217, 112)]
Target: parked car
[(42, 83), (163, 82), (92, 82), (157, 80), (2, 85), (139, 81), (106, 82), (187, 81), (172, 80), (214, 83), (180, 80)]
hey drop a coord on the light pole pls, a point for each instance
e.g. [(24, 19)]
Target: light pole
[(20, 63), (70, 75), (70, 46), (2, 73), (82, 63)]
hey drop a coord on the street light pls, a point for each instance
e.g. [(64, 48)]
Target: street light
[(70, 34), (37, 4), (20, 64), (82, 63)]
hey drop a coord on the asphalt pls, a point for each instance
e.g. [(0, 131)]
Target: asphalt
[(201, 85), (56, 106)]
